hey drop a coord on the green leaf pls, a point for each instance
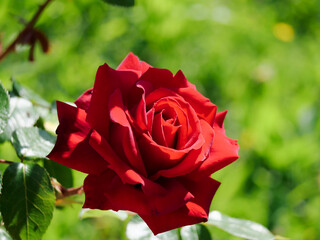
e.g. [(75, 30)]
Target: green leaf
[(41, 106), (239, 227), (195, 232), (32, 143), (96, 213), (50, 120), (62, 173), (124, 3), (22, 114), (27, 201), (169, 235), (137, 229), (21, 91), (4, 108), (4, 235)]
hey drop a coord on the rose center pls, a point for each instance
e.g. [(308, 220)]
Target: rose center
[(168, 120)]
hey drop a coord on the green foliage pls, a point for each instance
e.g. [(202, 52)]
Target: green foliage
[(32, 143), (20, 91), (124, 3), (62, 173), (137, 229), (4, 235), (22, 114), (94, 213), (27, 201), (44, 109), (239, 227), (195, 232), (4, 107)]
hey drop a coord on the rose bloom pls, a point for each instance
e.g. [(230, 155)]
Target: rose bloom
[(149, 142)]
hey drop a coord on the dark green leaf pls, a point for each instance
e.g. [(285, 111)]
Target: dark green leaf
[(27, 201), (137, 229), (22, 114), (124, 3), (32, 143), (239, 227), (62, 173), (195, 232), (4, 108), (4, 235)]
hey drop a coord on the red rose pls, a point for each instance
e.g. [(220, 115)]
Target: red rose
[(149, 142)]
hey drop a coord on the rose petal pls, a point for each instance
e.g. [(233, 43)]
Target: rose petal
[(220, 118), (171, 100), (193, 159), (94, 187), (170, 116), (138, 111), (223, 152), (137, 105), (84, 100), (150, 118), (163, 132), (125, 172), (180, 85), (187, 127), (107, 80), (72, 148), (163, 78), (157, 157), (195, 211), (157, 130), (202, 105), (159, 93), (170, 133), (107, 191), (187, 164), (132, 62), (121, 136)]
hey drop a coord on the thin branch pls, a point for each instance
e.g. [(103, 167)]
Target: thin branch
[(6, 161), (63, 192), (38, 13), (28, 26), (72, 191)]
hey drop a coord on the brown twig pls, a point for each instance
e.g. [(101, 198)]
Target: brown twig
[(29, 26), (72, 191), (63, 192), (5, 161)]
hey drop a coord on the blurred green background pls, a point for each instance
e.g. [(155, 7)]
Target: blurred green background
[(258, 59)]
